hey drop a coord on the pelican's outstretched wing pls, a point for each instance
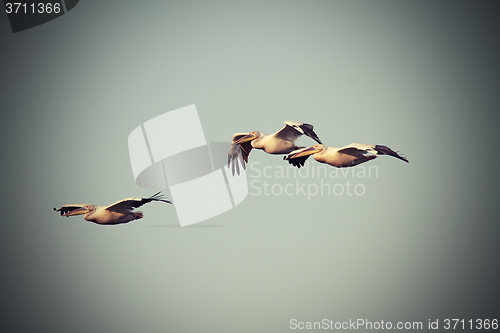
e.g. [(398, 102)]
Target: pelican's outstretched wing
[(68, 208), (292, 130), (384, 150), (359, 156), (353, 151), (235, 158), (359, 149), (131, 203), (296, 161), (245, 148)]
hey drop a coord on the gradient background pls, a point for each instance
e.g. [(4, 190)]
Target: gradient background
[(421, 77)]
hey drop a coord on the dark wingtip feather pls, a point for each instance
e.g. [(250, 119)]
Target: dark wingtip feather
[(158, 197), (296, 161), (308, 130), (384, 150)]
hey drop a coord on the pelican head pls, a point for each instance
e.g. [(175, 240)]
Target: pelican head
[(309, 151), (249, 137), (83, 210)]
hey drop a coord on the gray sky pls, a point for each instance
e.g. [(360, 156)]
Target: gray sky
[(420, 243)]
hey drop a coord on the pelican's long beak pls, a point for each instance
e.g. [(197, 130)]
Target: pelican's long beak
[(305, 152), (78, 211), (246, 138)]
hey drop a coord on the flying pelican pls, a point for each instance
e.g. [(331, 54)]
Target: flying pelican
[(117, 213), (346, 156), (281, 142)]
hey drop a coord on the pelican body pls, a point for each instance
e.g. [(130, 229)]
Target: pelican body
[(117, 213), (346, 156), (281, 142)]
